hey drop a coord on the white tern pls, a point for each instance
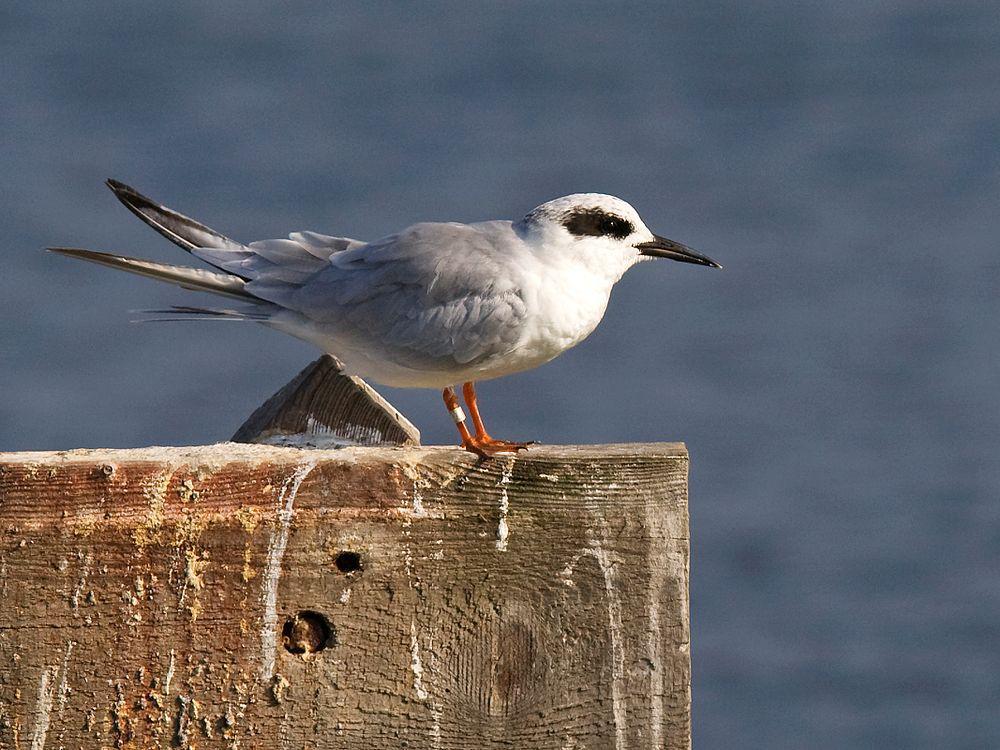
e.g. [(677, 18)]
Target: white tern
[(436, 305)]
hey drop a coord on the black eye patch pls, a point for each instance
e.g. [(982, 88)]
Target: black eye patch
[(593, 222)]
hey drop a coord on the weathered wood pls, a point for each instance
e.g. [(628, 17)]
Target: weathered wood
[(260, 597), (322, 407)]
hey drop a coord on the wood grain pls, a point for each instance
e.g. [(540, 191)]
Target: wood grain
[(246, 596)]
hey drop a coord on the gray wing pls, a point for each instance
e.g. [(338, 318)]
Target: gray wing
[(291, 261), (434, 295)]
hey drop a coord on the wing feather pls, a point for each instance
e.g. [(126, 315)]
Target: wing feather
[(323, 245), (289, 261), (432, 296)]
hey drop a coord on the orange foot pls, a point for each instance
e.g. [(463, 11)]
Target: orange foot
[(487, 446)]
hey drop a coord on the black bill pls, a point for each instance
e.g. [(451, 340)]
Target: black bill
[(661, 247)]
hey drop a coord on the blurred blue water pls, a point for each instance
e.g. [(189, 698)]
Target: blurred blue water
[(836, 384)]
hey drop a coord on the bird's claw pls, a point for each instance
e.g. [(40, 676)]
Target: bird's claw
[(489, 447)]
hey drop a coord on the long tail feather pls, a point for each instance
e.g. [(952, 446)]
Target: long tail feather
[(176, 227), (195, 279), (184, 313), (215, 312)]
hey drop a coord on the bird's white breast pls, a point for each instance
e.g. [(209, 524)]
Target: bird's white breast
[(565, 304)]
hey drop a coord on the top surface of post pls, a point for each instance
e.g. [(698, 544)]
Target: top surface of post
[(255, 452)]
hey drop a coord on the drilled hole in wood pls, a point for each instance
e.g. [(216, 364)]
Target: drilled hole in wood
[(348, 562), (307, 632)]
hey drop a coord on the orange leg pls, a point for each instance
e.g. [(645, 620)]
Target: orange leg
[(480, 443), (451, 401), (482, 436), (469, 392)]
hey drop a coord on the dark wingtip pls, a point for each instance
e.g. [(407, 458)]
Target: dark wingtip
[(138, 204), (78, 252), (179, 229), (120, 188)]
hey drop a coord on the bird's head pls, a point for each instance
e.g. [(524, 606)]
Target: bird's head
[(602, 231)]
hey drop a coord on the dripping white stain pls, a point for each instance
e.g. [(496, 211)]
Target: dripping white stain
[(417, 667), (275, 555), (503, 528)]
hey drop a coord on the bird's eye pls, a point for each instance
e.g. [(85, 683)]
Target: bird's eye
[(615, 227), (593, 222)]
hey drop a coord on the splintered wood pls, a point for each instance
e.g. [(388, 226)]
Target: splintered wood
[(261, 597)]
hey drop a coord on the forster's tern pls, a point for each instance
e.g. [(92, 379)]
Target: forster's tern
[(433, 306)]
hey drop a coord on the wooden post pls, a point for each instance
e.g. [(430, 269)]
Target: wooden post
[(261, 597)]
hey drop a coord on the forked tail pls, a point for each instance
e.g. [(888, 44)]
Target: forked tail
[(190, 235), (195, 279)]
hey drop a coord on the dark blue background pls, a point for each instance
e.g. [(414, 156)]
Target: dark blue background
[(836, 383)]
